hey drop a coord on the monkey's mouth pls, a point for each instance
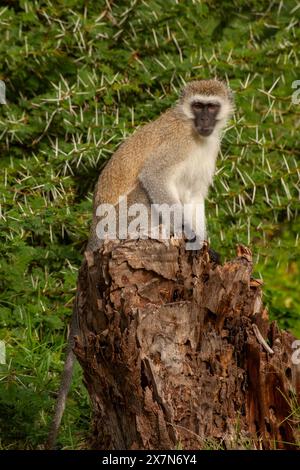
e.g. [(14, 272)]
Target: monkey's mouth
[(204, 131)]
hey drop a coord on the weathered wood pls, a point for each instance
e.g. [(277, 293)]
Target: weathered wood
[(170, 354)]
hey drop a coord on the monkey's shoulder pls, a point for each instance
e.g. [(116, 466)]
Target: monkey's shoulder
[(169, 123), (145, 141)]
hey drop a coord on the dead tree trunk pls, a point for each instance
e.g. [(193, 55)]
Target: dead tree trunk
[(172, 355)]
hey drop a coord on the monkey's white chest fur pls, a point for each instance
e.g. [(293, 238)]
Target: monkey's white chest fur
[(193, 176)]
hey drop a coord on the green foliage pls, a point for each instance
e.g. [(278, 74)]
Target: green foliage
[(80, 76)]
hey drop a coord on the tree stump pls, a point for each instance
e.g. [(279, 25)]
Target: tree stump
[(170, 346)]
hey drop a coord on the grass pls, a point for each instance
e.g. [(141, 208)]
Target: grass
[(80, 76)]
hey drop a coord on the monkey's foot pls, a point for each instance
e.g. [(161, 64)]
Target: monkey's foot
[(213, 255)]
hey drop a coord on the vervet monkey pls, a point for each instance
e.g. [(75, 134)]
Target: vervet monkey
[(168, 161)]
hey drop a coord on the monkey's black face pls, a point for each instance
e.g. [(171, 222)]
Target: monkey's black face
[(205, 116)]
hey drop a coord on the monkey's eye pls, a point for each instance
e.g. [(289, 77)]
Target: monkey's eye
[(198, 105), (213, 107)]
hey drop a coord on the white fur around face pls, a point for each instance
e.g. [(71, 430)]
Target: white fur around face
[(225, 110)]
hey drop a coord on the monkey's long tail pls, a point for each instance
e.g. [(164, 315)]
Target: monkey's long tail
[(65, 383)]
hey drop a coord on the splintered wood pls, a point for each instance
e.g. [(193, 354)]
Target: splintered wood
[(178, 352)]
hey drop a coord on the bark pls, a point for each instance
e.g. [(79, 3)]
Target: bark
[(172, 352)]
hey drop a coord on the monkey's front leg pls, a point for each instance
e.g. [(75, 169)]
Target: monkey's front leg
[(196, 230), (194, 223)]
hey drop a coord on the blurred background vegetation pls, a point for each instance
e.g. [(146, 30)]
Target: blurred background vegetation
[(80, 76)]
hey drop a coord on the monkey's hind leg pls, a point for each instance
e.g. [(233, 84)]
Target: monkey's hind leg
[(214, 256)]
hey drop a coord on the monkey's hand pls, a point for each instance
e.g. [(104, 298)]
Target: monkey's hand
[(193, 242)]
